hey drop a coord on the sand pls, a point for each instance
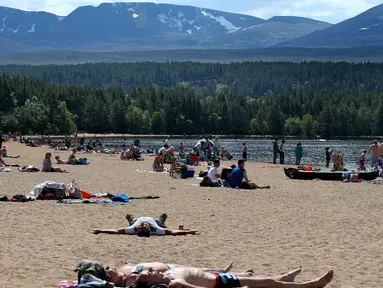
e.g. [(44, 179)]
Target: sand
[(320, 225)]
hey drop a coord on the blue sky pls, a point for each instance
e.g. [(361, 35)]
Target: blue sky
[(332, 11)]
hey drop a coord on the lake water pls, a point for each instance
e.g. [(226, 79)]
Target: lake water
[(261, 150)]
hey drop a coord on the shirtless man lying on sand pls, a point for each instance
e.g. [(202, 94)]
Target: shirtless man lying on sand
[(145, 227), (127, 275), (183, 277)]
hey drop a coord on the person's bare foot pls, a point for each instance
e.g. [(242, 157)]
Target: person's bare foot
[(322, 281), (249, 272), (290, 276)]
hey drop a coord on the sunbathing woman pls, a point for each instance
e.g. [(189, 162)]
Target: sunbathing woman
[(127, 275), (47, 165), (197, 278)]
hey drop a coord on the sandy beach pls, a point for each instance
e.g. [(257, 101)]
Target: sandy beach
[(319, 225)]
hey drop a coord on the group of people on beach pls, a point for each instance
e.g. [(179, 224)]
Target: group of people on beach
[(172, 275), (375, 150)]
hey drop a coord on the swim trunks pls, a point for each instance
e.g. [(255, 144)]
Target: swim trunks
[(226, 280)]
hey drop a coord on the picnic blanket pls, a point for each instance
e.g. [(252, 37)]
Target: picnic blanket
[(92, 201)]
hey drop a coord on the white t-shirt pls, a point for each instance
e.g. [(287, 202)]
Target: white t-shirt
[(282, 148), (211, 174), (155, 229), (162, 150)]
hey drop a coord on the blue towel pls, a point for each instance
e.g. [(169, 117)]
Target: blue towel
[(120, 198)]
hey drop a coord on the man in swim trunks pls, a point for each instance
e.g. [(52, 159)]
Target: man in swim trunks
[(145, 227), (197, 278), (127, 275)]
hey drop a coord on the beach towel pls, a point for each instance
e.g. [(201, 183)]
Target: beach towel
[(91, 201), (120, 198), (28, 168), (90, 281)]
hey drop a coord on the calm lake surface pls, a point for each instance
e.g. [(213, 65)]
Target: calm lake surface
[(261, 150)]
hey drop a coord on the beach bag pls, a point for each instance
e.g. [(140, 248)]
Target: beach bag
[(90, 267), (19, 198), (52, 194)]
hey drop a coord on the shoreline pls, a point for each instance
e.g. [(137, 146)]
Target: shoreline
[(163, 136)]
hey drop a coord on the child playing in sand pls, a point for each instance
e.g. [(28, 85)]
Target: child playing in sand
[(197, 278), (59, 161)]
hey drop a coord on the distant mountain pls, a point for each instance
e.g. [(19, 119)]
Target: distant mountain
[(272, 31), (362, 30), (137, 26)]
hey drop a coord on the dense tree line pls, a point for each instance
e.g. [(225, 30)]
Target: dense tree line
[(33, 106), (250, 78)]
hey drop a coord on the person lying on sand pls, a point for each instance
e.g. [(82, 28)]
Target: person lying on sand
[(127, 275), (145, 227), (197, 278), (238, 175), (47, 165)]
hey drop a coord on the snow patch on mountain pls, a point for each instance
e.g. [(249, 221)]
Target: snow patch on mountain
[(223, 21), (4, 27), (189, 31), (135, 15), (180, 14), (60, 18), (247, 28), (15, 30), (171, 22), (32, 28), (197, 27)]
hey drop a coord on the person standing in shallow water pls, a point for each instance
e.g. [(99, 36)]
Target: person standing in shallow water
[(244, 152), (275, 150), (328, 156), (298, 154), (282, 152)]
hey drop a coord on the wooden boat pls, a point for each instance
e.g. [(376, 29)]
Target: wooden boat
[(295, 173)]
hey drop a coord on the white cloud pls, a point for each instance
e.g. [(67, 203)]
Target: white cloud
[(327, 10)]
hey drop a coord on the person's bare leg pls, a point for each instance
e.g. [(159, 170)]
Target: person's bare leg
[(289, 276), (2, 162), (228, 267), (271, 283)]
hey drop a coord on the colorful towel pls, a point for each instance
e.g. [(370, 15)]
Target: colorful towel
[(91, 201)]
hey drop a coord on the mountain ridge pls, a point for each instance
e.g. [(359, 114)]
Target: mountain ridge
[(133, 25), (361, 30)]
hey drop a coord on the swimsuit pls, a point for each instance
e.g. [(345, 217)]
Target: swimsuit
[(226, 280)]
